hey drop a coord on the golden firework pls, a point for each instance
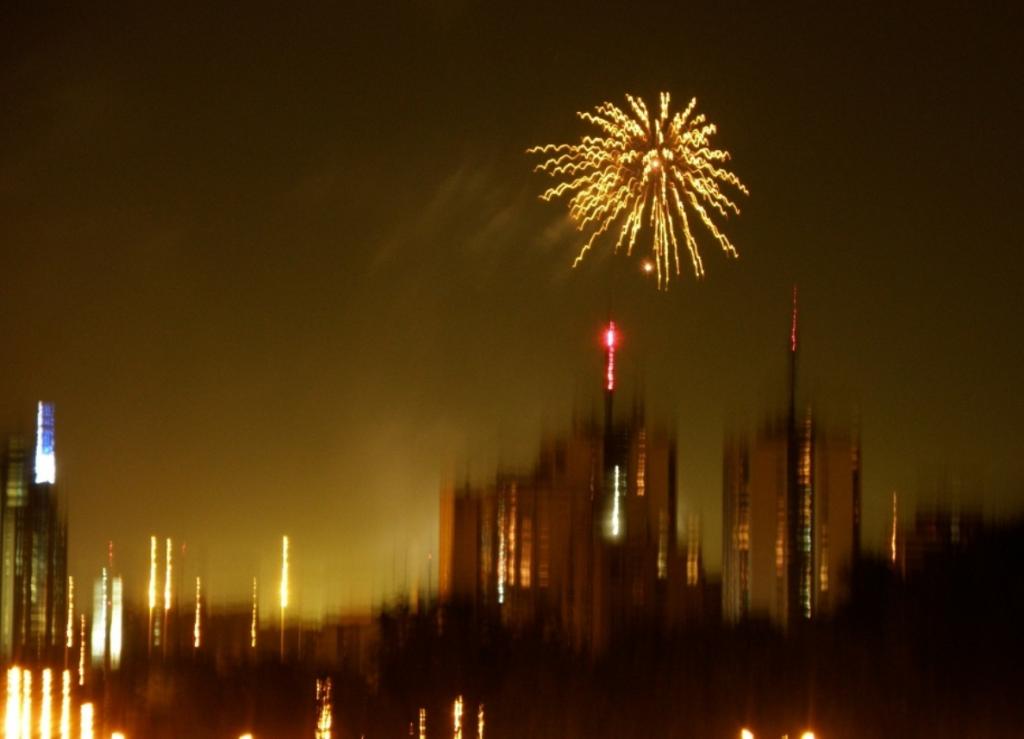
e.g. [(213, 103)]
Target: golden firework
[(659, 169)]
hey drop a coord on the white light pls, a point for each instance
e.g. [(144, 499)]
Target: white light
[(85, 727), (116, 613), (99, 621), (46, 461), (616, 514)]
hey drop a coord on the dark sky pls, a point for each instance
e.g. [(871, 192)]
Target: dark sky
[(283, 269)]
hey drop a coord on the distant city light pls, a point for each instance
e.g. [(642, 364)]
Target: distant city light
[(46, 461), (26, 704), (116, 619), (81, 650), (69, 629), (422, 734), (807, 735), (46, 705), (99, 620), (196, 627), (746, 734), (616, 512), (480, 721), (324, 716), (85, 730), (284, 587), (255, 615), (611, 341), (457, 716), (65, 704)]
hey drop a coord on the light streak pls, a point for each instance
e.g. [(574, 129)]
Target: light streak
[(69, 632), (65, 705), (26, 704), (196, 627), (152, 590), (457, 718), (99, 621), (46, 461), (642, 168), (12, 715), (422, 734), (253, 627), (167, 577), (616, 512), (81, 651), (46, 705), (117, 735), (610, 341), (324, 717), (85, 730), (892, 535), (284, 587), (116, 620), (480, 721)]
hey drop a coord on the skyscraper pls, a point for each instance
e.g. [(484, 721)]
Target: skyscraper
[(584, 543), (33, 543), (791, 513)]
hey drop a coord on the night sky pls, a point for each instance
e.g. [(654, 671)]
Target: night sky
[(283, 270)]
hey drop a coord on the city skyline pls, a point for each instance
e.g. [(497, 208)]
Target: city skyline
[(278, 281)]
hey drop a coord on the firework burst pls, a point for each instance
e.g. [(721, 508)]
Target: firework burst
[(659, 169)]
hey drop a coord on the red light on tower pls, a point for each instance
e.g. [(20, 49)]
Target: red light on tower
[(611, 339)]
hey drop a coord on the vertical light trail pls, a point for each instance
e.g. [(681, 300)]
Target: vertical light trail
[(81, 651), (152, 592), (65, 705), (480, 722), (12, 715), (616, 494), (196, 628), (284, 587), (69, 630), (168, 570), (324, 708), (254, 626), (457, 716), (610, 341), (892, 535), (116, 620), (46, 705), (422, 734), (85, 730), (26, 704)]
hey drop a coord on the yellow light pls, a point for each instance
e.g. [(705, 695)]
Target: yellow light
[(245, 736), (807, 735), (26, 704), (324, 717), (152, 577), (69, 631), (255, 615), (480, 721), (46, 705), (423, 724), (284, 572), (81, 651), (196, 628), (65, 705), (85, 726), (12, 716), (117, 735), (457, 713), (746, 734), (167, 577), (642, 168)]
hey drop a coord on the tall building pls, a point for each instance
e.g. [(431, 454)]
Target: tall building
[(33, 543), (791, 514), (585, 543)]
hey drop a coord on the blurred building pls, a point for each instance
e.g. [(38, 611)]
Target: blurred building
[(790, 514), (33, 546), (583, 545), (936, 532)]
